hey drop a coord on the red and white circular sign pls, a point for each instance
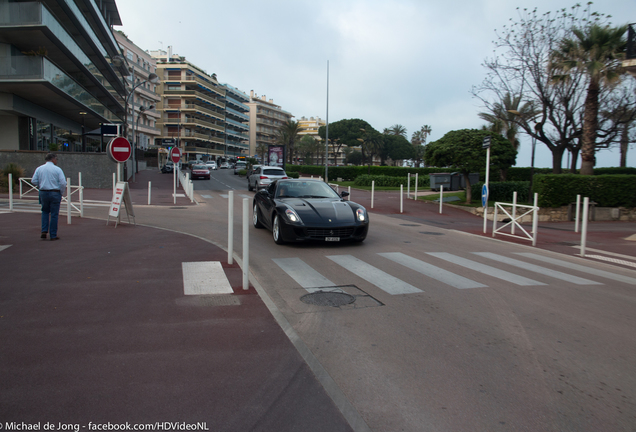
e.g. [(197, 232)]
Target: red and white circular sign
[(175, 155), (119, 149)]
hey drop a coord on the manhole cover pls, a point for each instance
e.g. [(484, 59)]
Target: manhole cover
[(178, 208), (431, 233), (409, 224), (328, 298)]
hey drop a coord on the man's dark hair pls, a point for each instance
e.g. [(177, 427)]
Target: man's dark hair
[(50, 157)]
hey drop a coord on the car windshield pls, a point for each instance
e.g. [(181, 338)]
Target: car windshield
[(274, 172), (199, 167), (301, 189)]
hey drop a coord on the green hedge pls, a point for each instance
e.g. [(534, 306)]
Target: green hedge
[(557, 190), (352, 172), (384, 180), (503, 191), (523, 174)]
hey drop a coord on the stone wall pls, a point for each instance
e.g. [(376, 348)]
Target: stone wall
[(97, 168), (564, 214)]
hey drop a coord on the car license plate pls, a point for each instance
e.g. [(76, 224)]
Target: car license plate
[(332, 238)]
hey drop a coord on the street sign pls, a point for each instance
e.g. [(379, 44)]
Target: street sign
[(486, 143), (110, 129), (175, 155), (168, 141), (119, 149), (484, 196)]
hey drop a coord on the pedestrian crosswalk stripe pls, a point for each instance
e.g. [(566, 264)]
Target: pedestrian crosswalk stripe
[(302, 273), (432, 271), (538, 269), (375, 276), (486, 269), (577, 267), (206, 277)]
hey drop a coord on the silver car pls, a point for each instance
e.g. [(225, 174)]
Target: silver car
[(262, 176)]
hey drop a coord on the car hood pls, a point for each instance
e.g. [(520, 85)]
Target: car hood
[(322, 211)]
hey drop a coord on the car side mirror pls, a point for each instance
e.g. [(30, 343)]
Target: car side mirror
[(344, 194)]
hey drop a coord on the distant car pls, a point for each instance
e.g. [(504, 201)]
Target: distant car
[(240, 165), (301, 210), (224, 165), (211, 165), (200, 171), (262, 176)]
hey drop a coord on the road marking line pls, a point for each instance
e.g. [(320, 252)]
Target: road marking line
[(486, 269), (302, 273), (581, 268), (538, 269), (205, 277), (612, 260), (625, 257), (373, 275), (207, 196), (3, 247), (432, 271)]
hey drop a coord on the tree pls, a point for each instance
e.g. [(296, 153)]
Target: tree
[(396, 129), (503, 114), (307, 148), (595, 50), (261, 149), (355, 158), (344, 132), (396, 147), (521, 67), (287, 135), (418, 140), (462, 151)]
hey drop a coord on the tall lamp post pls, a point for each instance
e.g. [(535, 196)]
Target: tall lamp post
[(152, 78)]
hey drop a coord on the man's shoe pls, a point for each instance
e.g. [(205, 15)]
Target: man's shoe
[(43, 235), (54, 238)]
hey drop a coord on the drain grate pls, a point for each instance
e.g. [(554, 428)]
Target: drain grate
[(178, 208), (328, 298), (410, 225), (431, 233)]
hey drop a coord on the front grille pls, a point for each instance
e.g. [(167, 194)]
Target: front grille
[(329, 232)]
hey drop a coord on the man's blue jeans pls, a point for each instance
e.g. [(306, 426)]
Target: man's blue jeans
[(50, 210)]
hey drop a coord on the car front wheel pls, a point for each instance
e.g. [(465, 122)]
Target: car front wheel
[(276, 231), (249, 186)]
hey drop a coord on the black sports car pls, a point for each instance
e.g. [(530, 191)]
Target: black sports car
[(300, 210)]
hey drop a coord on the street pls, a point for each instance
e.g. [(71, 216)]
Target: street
[(451, 331)]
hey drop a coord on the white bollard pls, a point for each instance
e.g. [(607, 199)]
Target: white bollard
[(149, 189), (586, 202), (10, 192), (401, 198), (349, 197), (114, 182), (415, 195), (535, 219), (174, 183), (246, 244), (576, 217), (408, 186), (514, 212), (441, 197), (372, 191), (81, 196), (230, 227), (68, 200)]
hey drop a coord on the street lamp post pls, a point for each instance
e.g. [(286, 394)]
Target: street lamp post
[(152, 78)]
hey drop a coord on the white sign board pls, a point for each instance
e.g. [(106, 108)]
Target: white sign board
[(121, 195)]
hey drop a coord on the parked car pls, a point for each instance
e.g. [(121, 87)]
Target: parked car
[(240, 165), (211, 165), (200, 171), (262, 176), (224, 165), (168, 167), (301, 210)]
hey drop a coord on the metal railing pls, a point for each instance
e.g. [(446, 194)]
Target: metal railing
[(25, 183)]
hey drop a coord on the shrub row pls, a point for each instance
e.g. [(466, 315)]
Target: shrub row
[(557, 190), (384, 180), (503, 191), (352, 172)]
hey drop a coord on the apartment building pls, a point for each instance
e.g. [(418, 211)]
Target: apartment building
[(192, 107), (236, 122), (310, 126), (60, 74), (265, 119), (142, 105)]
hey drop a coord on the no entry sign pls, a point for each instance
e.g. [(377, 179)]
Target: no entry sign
[(119, 149), (175, 154)]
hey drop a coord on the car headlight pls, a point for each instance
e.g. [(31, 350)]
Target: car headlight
[(361, 215), (292, 216)]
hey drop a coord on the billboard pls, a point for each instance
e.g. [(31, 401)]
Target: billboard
[(276, 156)]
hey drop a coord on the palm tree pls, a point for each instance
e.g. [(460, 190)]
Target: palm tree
[(396, 129), (419, 140), (504, 117), (287, 135), (596, 50)]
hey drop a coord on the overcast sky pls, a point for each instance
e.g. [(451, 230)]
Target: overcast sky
[(408, 62)]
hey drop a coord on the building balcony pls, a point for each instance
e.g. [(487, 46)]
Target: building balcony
[(237, 114), (194, 121), (236, 124), (35, 78), (196, 94), (199, 109), (207, 84)]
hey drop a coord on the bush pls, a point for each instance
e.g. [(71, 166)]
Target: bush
[(503, 191), (16, 172), (557, 190), (388, 181)]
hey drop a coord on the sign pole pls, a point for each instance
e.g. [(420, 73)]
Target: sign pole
[(486, 144)]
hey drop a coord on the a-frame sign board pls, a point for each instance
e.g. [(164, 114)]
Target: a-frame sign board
[(121, 196)]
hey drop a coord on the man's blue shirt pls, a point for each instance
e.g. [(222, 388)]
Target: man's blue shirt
[(49, 177)]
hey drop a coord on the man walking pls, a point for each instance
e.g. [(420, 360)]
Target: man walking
[(49, 178)]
